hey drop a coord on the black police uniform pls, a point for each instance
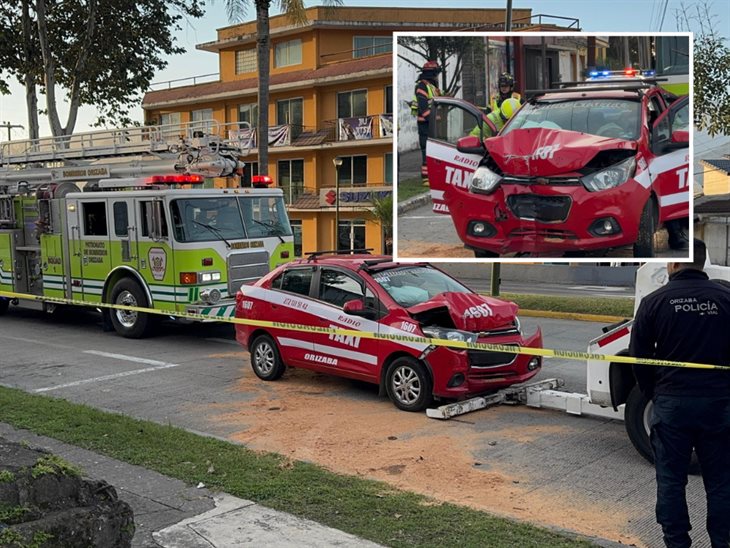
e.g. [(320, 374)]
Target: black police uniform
[(688, 320)]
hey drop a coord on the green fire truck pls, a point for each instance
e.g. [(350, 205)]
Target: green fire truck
[(120, 217)]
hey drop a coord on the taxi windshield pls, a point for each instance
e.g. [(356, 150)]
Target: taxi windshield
[(615, 118), (412, 285)]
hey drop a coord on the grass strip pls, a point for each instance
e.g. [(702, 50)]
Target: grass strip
[(369, 509), (622, 307), (409, 188)]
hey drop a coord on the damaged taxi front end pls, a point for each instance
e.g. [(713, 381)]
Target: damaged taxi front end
[(563, 175)]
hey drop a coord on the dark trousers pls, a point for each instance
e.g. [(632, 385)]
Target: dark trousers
[(678, 425), (422, 139)]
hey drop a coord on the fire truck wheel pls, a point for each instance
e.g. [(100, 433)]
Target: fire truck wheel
[(644, 245), (130, 324), (636, 418), (4, 305), (409, 385), (265, 359)]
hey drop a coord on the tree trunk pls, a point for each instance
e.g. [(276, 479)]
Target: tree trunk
[(263, 49), (31, 98)]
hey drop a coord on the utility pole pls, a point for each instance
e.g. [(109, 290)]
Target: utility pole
[(10, 126)]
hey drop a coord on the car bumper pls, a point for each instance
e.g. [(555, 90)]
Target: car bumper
[(544, 218), (470, 373)]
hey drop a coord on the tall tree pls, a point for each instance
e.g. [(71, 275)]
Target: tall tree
[(295, 11), (102, 53), (711, 101)]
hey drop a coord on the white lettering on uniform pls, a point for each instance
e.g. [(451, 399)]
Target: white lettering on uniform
[(690, 304)]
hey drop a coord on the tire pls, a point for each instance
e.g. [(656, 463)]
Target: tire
[(484, 254), (4, 305), (265, 359), (644, 244), (409, 385), (636, 419), (129, 324)]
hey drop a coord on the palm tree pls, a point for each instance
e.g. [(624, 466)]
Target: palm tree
[(295, 11), (383, 213)]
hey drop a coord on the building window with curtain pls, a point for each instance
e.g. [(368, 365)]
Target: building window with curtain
[(365, 46), (353, 171), (352, 103), (291, 179), (288, 53), (249, 170), (248, 113), (246, 61), (351, 234), (388, 175), (289, 112), (296, 227), (202, 119), (388, 99)]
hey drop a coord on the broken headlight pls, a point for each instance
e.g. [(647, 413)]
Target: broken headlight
[(484, 180), (611, 177), (449, 334)]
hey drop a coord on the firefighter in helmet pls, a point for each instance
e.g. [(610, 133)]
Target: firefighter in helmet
[(506, 85), (495, 120), (426, 90)]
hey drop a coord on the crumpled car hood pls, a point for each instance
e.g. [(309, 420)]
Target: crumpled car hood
[(545, 152), (470, 311)]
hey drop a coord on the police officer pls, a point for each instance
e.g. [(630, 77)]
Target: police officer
[(687, 320), (506, 83), (495, 120), (426, 90)]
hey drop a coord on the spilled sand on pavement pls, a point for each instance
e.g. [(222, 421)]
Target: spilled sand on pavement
[(313, 417)]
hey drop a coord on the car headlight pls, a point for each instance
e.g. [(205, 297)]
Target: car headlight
[(611, 177), (484, 180), (449, 334)]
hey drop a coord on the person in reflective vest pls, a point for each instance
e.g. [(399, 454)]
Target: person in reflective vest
[(506, 85), (495, 120), (426, 90)]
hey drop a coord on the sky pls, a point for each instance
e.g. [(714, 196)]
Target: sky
[(593, 15)]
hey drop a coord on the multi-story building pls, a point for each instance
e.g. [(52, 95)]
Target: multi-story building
[(330, 110)]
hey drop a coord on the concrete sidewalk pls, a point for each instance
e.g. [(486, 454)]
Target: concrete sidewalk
[(170, 514)]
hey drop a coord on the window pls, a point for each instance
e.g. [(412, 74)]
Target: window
[(337, 288), (249, 170), (145, 212), (351, 234), (288, 53), (246, 60), (296, 227), (289, 111), (121, 219), (388, 99), (365, 46), (388, 178), (202, 119), (353, 171), (249, 113), (352, 103), (291, 179), (295, 280), (171, 124), (94, 215)]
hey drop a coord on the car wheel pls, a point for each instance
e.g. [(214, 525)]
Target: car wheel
[(4, 305), (265, 359), (409, 385), (128, 323), (644, 245), (636, 418), (484, 254)]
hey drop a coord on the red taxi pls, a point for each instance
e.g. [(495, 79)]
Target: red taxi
[(577, 169), (373, 294)]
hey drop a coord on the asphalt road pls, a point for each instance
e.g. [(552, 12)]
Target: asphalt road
[(424, 234), (191, 375)]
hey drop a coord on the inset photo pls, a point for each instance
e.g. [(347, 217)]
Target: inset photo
[(543, 145)]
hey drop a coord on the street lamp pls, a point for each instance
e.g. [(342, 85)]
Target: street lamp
[(337, 162)]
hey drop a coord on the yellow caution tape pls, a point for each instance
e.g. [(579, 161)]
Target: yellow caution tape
[(488, 347)]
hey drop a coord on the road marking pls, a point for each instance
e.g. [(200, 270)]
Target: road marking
[(601, 288), (157, 366)]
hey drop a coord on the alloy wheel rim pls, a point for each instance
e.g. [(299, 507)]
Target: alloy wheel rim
[(406, 385), (264, 358)]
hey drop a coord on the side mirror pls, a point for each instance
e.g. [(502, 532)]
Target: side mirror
[(356, 307), (470, 144), (681, 137)]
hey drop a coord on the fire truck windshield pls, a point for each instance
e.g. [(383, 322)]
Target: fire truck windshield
[(229, 218), (617, 118)]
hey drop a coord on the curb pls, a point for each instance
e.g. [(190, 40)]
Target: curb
[(413, 202)]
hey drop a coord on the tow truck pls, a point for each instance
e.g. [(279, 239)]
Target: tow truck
[(611, 390)]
